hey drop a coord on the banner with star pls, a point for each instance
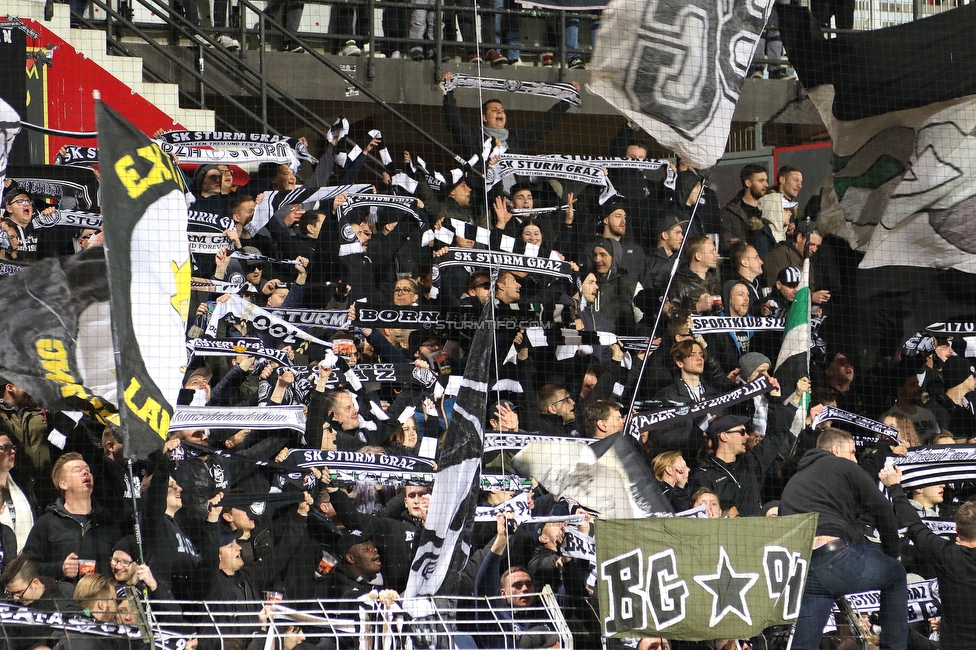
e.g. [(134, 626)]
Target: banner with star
[(701, 579), (146, 249)]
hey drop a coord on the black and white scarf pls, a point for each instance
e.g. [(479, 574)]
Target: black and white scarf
[(261, 320), (234, 347), (506, 262), (936, 464), (840, 415), (545, 167), (562, 92), (238, 417), (308, 197), (67, 218), (642, 422), (73, 154), (716, 324)]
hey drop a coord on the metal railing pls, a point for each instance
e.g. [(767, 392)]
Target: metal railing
[(378, 619)]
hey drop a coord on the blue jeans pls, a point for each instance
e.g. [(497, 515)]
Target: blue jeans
[(850, 570)]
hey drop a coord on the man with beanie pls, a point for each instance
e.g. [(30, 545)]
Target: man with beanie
[(953, 408), (628, 253), (617, 288)]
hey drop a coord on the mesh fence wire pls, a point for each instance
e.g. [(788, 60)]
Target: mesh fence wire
[(464, 291)]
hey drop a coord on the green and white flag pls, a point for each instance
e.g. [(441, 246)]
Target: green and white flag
[(793, 361), (700, 579)]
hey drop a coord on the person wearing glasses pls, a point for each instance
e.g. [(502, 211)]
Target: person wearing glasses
[(18, 211), (84, 238), (23, 586), (733, 473), (129, 573), (17, 510), (557, 411)]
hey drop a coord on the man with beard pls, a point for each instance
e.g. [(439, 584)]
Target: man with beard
[(627, 253), (779, 206), (741, 217)]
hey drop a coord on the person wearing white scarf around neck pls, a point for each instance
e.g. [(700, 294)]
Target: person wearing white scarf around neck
[(18, 514)]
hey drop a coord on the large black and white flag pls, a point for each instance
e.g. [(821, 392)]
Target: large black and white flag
[(54, 347), (676, 68), (9, 128), (445, 541), (900, 185), (144, 203)]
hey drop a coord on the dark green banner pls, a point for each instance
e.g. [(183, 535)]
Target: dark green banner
[(701, 579)]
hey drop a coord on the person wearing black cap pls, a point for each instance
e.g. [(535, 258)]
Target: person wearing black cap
[(830, 483), (953, 408), (234, 582), (735, 474), (359, 564)]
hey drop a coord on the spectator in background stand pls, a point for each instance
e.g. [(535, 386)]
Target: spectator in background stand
[(842, 11), (747, 268), (741, 217), (779, 206), (291, 16), (771, 47)]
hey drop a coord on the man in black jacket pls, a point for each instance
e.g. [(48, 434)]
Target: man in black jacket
[(25, 587), (72, 529), (954, 563), (235, 582), (733, 473), (831, 484)]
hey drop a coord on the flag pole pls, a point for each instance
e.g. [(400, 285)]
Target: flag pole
[(660, 311)]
